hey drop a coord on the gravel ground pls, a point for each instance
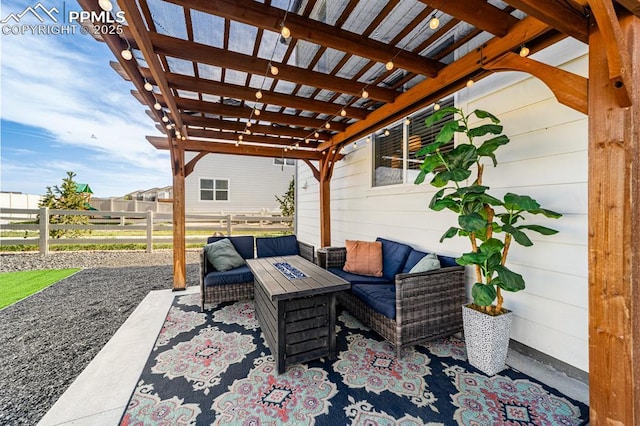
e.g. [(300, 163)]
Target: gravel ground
[(51, 336)]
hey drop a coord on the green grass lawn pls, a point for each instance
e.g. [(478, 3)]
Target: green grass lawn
[(16, 286)]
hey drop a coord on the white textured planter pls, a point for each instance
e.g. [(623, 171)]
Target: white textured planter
[(487, 339)]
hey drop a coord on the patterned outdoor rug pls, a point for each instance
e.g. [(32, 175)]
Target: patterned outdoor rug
[(214, 368)]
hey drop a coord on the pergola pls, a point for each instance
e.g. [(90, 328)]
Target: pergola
[(303, 78)]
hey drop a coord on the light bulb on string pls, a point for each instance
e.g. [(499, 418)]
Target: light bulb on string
[(470, 82), (407, 121), (239, 137), (248, 124), (316, 134), (237, 143), (274, 70), (126, 54), (386, 132), (436, 106), (248, 131), (434, 22), (355, 144), (157, 106), (285, 32), (368, 139), (297, 144), (105, 5), (343, 113), (165, 119), (184, 138), (389, 65), (306, 140), (286, 149), (524, 51), (256, 111), (327, 125), (365, 94), (259, 94), (168, 126), (148, 86)]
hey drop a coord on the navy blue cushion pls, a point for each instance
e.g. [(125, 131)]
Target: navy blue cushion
[(412, 260), (380, 298), (359, 279), (243, 244), (446, 261), (277, 246), (394, 256), (238, 275)]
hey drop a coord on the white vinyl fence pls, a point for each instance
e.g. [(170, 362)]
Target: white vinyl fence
[(24, 220)]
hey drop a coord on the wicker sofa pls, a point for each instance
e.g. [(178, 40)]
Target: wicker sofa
[(237, 284), (404, 308)]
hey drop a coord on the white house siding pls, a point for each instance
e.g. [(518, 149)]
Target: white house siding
[(546, 159), (253, 183)]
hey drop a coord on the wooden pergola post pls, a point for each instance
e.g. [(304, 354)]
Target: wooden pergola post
[(614, 219), (179, 239)]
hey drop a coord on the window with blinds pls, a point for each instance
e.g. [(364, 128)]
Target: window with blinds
[(389, 165)]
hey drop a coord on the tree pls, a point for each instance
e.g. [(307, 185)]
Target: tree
[(288, 202), (65, 197)]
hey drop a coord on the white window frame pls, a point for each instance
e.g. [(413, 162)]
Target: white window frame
[(287, 162), (214, 189)]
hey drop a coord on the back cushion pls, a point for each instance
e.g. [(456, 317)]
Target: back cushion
[(243, 244), (394, 256), (446, 261), (413, 258), (277, 246), (364, 258)]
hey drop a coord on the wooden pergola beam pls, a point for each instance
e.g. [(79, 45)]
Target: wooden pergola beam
[(271, 18), (243, 149), (632, 6), (565, 17), (228, 136), (478, 13), (469, 65), (200, 85), (195, 105), (202, 53), (238, 126)]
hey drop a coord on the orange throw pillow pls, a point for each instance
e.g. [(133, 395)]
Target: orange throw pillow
[(364, 258)]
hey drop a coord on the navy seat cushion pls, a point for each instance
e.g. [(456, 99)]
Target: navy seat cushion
[(412, 260), (359, 279), (380, 298), (243, 244), (394, 256), (238, 275), (446, 261), (277, 246)]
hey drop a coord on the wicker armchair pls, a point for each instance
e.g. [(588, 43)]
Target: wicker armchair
[(428, 304)]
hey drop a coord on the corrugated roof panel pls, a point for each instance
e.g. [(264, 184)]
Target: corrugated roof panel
[(168, 18), (328, 11), (260, 81), (363, 14), (305, 91), (209, 72), (272, 108), (414, 81), (187, 94), (324, 95), (285, 87), (328, 60), (305, 51), (242, 37), (210, 98), (235, 77), (271, 47), (207, 29), (422, 32), (373, 73), (397, 20), (352, 67), (180, 66), (290, 111)]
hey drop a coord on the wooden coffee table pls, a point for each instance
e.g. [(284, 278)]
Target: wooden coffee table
[(296, 307)]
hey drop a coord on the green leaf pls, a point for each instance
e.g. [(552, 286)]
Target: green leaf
[(488, 147), (447, 131), (509, 280), (472, 222), (491, 247), (520, 237), (451, 232), (439, 180), (431, 163), (420, 178), (439, 115), (539, 229), (445, 203), (473, 189), (472, 259), (484, 114), (457, 175), (493, 129), (463, 156), (548, 213), (428, 149), (520, 202), (483, 294)]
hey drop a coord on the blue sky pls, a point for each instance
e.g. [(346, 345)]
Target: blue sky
[(64, 109)]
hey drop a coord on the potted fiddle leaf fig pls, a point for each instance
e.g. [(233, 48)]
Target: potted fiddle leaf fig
[(491, 225)]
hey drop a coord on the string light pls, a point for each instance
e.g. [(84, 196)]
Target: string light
[(165, 119), (184, 138), (148, 86), (248, 131), (248, 124), (365, 94), (327, 125), (389, 65), (524, 51), (126, 53), (237, 143), (407, 121), (168, 126), (343, 112), (316, 134), (434, 22), (368, 139), (436, 106), (259, 94), (256, 111), (306, 140), (284, 31), (386, 132), (105, 5), (470, 82), (355, 144), (239, 137), (157, 106), (274, 70)]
